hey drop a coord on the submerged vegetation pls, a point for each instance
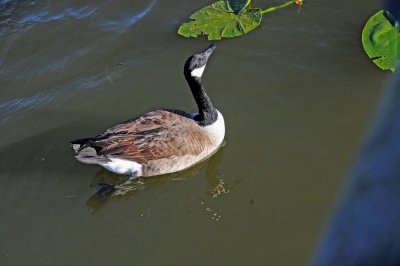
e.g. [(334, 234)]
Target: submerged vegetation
[(227, 18), (381, 40)]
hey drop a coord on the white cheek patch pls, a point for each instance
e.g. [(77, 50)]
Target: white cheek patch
[(198, 72)]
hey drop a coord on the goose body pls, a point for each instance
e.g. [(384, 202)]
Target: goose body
[(161, 141)]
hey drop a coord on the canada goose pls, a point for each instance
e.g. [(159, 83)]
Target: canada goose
[(161, 141)]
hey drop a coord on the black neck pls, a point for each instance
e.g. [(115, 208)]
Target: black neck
[(207, 112)]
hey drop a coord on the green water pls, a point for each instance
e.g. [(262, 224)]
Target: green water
[(297, 95)]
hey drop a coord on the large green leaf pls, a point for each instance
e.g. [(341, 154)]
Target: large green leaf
[(218, 21), (381, 41), (238, 5)]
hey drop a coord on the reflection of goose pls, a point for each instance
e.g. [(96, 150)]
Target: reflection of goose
[(162, 141), (130, 188)]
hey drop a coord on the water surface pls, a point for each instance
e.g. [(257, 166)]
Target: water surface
[(296, 94)]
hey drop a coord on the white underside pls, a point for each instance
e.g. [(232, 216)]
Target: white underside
[(123, 167)]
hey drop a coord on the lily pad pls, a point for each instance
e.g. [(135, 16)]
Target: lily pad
[(219, 21), (381, 40), (238, 5)]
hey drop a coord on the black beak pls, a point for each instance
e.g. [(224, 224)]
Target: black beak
[(207, 52)]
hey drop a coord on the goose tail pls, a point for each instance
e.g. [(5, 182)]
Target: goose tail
[(86, 152), (79, 144)]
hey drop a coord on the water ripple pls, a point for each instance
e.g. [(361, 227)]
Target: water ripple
[(6, 7), (10, 108), (122, 25), (46, 16), (17, 17)]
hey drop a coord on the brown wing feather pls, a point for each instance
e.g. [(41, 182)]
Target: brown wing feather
[(153, 136), (146, 122)]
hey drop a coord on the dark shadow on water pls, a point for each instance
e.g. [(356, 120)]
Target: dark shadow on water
[(128, 190), (364, 227)]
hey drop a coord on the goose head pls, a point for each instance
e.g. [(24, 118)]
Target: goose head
[(195, 65)]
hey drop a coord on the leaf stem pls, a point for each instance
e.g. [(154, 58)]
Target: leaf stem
[(288, 3)]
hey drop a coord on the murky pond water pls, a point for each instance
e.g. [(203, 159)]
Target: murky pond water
[(296, 94)]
